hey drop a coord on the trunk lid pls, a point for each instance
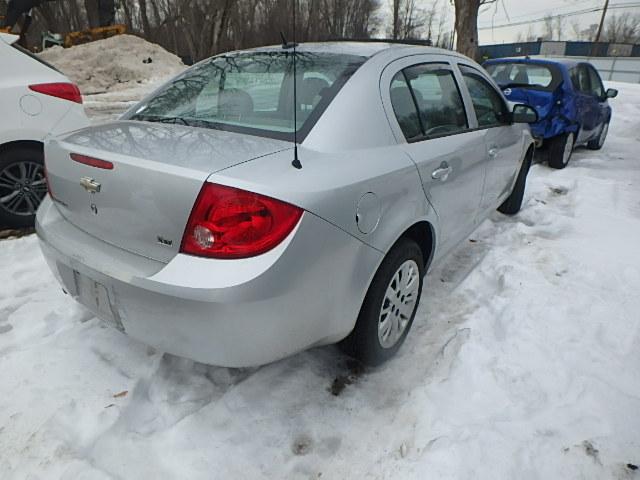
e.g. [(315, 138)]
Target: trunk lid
[(142, 205)]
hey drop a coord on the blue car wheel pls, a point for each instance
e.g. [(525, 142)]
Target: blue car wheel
[(598, 143), (560, 150)]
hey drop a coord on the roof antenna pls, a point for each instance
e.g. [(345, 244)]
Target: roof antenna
[(285, 45)]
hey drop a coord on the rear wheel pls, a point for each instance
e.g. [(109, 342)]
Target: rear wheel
[(598, 143), (389, 306), (512, 204), (22, 186), (560, 150)]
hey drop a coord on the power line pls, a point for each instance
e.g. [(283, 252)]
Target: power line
[(545, 10), (570, 14)]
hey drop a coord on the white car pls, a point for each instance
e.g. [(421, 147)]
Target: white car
[(36, 102)]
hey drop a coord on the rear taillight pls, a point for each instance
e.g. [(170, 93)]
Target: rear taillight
[(65, 91), (91, 161), (230, 223)]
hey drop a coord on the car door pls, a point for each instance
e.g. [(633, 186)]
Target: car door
[(502, 139), (586, 104), (599, 97), (430, 120)]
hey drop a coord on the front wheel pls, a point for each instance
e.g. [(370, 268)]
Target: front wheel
[(598, 143), (389, 306), (560, 150)]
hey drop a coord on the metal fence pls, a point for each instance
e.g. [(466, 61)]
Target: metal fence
[(565, 49), (616, 69)]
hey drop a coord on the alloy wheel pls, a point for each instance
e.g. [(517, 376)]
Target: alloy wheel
[(22, 188)]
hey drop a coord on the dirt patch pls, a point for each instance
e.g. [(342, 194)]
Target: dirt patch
[(354, 371), (15, 233)]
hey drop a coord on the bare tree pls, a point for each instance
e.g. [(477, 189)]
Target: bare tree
[(408, 20), (467, 25), (528, 36), (200, 28), (622, 29)]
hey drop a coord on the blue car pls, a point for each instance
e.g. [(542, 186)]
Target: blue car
[(570, 99)]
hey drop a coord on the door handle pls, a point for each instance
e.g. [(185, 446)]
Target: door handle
[(493, 152), (442, 173)]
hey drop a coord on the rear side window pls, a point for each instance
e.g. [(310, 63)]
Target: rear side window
[(427, 102), (405, 108), (491, 110)]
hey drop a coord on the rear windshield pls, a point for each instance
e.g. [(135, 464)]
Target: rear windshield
[(252, 93), (534, 76)]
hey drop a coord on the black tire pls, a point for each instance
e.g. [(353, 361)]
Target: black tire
[(598, 143), (32, 160), (364, 341), (512, 204), (557, 150)]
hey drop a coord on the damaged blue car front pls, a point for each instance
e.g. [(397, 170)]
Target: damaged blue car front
[(569, 97)]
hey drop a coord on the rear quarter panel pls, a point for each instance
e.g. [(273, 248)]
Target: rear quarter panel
[(330, 185), (29, 115)]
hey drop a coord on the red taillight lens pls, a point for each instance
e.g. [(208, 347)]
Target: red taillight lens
[(65, 91), (92, 162), (230, 223)]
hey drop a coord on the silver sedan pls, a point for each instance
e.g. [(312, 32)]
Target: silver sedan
[(234, 219)]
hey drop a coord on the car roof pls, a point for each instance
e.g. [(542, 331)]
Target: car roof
[(365, 49), (9, 38), (565, 62)]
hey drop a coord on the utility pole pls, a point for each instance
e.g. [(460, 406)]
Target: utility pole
[(604, 14)]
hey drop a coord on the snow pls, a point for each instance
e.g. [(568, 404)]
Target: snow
[(522, 363), (114, 73)]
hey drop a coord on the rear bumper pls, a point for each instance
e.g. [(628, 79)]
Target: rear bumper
[(234, 313)]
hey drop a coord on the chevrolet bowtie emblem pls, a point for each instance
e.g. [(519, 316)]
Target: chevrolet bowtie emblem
[(90, 185)]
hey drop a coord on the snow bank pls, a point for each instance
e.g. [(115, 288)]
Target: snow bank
[(523, 363), (114, 64)]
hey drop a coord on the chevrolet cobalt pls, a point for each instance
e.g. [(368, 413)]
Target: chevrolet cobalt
[(239, 215)]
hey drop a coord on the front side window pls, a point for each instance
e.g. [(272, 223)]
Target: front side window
[(427, 102), (491, 110), (252, 93), (580, 79), (597, 89)]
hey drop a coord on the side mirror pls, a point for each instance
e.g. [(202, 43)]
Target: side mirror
[(611, 93), (524, 114)]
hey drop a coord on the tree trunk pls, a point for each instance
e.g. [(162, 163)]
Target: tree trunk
[(146, 27), (467, 27), (396, 18), (93, 16)]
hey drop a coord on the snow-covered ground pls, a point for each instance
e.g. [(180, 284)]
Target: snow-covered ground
[(523, 363)]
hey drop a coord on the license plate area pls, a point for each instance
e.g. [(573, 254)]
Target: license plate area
[(95, 296)]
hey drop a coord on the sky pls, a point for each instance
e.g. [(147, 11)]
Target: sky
[(517, 11), (493, 17)]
